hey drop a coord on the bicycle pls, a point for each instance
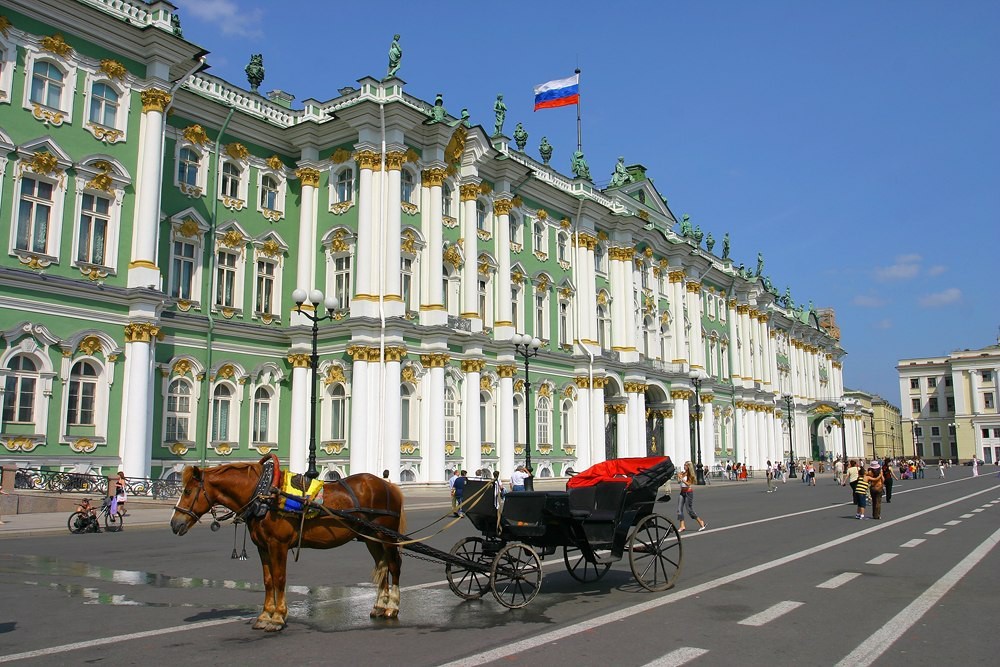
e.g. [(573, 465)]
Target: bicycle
[(80, 522)]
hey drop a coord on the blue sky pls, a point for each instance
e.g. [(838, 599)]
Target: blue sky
[(856, 144)]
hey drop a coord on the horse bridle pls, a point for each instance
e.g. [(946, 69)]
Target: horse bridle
[(216, 519)]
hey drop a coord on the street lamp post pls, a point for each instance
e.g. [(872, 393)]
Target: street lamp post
[(892, 440), (791, 438), (331, 304), (527, 347), (913, 430), (874, 452), (843, 429), (696, 377)]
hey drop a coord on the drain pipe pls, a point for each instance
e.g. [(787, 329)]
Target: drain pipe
[(207, 286)]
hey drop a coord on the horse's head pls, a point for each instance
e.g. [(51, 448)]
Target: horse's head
[(194, 501)]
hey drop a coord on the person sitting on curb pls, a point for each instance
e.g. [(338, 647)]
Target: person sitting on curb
[(90, 514)]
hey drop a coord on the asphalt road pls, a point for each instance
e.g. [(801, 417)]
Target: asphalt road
[(784, 578)]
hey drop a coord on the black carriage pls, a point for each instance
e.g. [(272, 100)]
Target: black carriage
[(605, 512)]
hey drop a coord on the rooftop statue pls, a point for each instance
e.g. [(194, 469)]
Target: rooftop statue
[(697, 234), (520, 137), (709, 242), (255, 71), (579, 166), (175, 25), (464, 120), (545, 150), (395, 58), (620, 175), (760, 264), (500, 109), (438, 114), (686, 225), (725, 246), (786, 300)]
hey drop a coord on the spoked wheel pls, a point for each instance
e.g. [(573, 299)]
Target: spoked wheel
[(654, 553), (77, 523), (516, 575), (582, 569), (113, 522), (464, 582)]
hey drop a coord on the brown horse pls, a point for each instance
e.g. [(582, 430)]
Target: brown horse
[(235, 487)]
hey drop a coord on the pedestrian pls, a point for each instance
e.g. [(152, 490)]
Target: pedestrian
[(875, 485), (853, 473), (685, 499), (2, 493), (941, 468), (888, 475), (811, 473), (385, 474), (770, 478), (89, 515), (118, 506), (860, 495), (517, 479), (460, 482), (975, 467), (451, 488)]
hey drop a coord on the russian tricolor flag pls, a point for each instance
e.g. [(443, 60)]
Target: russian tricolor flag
[(558, 93)]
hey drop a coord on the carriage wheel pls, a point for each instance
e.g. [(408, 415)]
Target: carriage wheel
[(582, 569), (516, 575), (654, 553), (77, 523), (113, 522), (464, 582)]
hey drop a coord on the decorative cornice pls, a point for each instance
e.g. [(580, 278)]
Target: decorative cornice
[(635, 387), (237, 151), (57, 45), (113, 69), (473, 365), (435, 359)]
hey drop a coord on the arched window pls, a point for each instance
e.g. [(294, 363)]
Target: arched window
[(405, 185), (562, 247), (599, 259), (515, 230), (566, 429), (407, 476), (518, 420), (487, 418), (33, 218), (538, 240), (404, 411), (82, 394), (446, 196), (221, 404), (603, 326), (338, 413), (450, 416), (19, 391), (261, 415), (95, 216), (46, 85), (649, 337), (515, 306), (269, 193), (179, 410), (103, 105), (481, 216), (543, 427), (231, 180), (345, 185), (188, 162)]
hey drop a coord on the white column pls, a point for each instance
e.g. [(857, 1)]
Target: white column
[(669, 445), (736, 365), (135, 449), (694, 315), (298, 428), (597, 448), (142, 269), (682, 426), (393, 302), (766, 345), (305, 270), (743, 312), (707, 432), (392, 420), (583, 443), (470, 268), (432, 300), (361, 304), (622, 431), (472, 445), (505, 420), (435, 396), (503, 326), (623, 319), (676, 278), (360, 409), (636, 417)]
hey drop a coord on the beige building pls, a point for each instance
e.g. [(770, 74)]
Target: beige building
[(881, 425), (949, 405)]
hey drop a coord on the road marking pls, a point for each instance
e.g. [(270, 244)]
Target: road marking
[(872, 648), (966, 516), (519, 648), (912, 543), (935, 531), (884, 558), (771, 613), (952, 523), (978, 510), (839, 580), (119, 638), (679, 657), (987, 505)]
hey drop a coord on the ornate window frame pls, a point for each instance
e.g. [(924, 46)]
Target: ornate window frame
[(242, 165), (269, 247), (188, 227), (63, 114), (188, 370), (274, 169), (198, 188), (231, 239), (267, 377), (33, 341), (47, 163), (101, 176), (8, 65), (341, 246), (114, 133)]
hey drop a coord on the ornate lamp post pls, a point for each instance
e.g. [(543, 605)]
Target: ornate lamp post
[(331, 304), (527, 347), (791, 437), (874, 450), (696, 377), (892, 440), (843, 429)]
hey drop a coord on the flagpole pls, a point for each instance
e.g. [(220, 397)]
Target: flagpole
[(579, 124)]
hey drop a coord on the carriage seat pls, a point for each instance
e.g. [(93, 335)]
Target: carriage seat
[(600, 503)]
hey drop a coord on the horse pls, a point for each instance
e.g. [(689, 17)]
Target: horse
[(238, 488)]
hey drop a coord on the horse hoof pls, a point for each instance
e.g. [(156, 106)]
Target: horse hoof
[(274, 627), (377, 613), (392, 613)]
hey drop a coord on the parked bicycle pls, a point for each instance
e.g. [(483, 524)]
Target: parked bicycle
[(86, 519)]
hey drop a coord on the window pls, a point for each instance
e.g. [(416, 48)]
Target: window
[(954, 450), (947, 381), (600, 259), (482, 300), (564, 330), (515, 231), (936, 449), (103, 105), (541, 315), (261, 415), (345, 185), (182, 270), (538, 238), (95, 214), (949, 402), (544, 428), (951, 429), (919, 431), (518, 419), (342, 280), (230, 185), (265, 287), (987, 376), (603, 326), (225, 279), (269, 193), (404, 411), (33, 215), (515, 307), (915, 404), (450, 416), (406, 280), (933, 405), (19, 391), (188, 163), (221, 404), (566, 424), (481, 216), (405, 186), (446, 197), (935, 431), (46, 85), (82, 393), (931, 382), (914, 383), (562, 248), (178, 410), (988, 401), (338, 413)]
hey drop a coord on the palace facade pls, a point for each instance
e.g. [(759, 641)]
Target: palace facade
[(158, 220)]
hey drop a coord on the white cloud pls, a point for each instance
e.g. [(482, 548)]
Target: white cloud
[(936, 270), (226, 14), (905, 267), (868, 301), (884, 323), (948, 296)]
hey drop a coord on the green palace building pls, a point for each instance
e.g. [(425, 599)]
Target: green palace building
[(158, 220)]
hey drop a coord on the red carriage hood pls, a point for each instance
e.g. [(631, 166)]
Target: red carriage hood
[(621, 470)]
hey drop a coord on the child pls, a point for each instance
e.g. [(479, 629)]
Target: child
[(90, 514)]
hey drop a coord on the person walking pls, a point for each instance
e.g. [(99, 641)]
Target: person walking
[(888, 475), (975, 467), (451, 487), (860, 495), (811, 473), (118, 506), (876, 483), (460, 482), (940, 468), (517, 479), (853, 473), (685, 499), (770, 478)]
